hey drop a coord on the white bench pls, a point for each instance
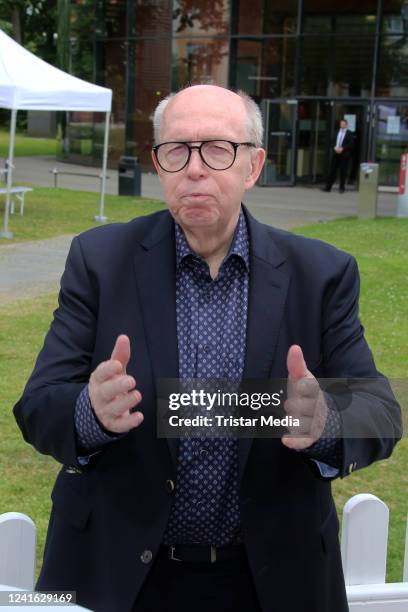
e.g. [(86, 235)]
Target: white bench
[(19, 192)]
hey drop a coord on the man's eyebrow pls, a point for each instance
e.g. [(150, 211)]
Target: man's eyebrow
[(208, 138)]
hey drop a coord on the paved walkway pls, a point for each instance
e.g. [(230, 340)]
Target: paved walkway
[(31, 268), (280, 206), (34, 268)]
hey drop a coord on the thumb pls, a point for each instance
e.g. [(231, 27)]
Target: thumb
[(121, 351), (296, 363)]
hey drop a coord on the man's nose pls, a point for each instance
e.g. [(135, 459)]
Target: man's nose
[(196, 167)]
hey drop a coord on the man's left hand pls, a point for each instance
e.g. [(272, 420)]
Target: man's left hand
[(305, 401)]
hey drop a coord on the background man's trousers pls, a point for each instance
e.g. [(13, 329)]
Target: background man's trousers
[(339, 161)]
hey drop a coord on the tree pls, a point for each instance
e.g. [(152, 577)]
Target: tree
[(31, 23)]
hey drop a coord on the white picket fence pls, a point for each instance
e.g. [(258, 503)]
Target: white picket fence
[(18, 538), (364, 541)]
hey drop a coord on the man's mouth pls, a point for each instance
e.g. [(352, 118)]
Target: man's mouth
[(196, 197)]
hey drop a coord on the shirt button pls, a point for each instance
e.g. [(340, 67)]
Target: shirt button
[(146, 556), (170, 486), (203, 452)]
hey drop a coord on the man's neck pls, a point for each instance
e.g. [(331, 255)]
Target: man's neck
[(210, 245)]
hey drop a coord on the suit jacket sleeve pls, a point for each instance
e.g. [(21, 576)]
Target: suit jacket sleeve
[(348, 142), (45, 413), (370, 414)]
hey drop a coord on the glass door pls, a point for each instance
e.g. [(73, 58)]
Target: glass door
[(280, 120), (313, 141)]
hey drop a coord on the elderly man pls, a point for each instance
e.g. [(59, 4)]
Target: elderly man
[(200, 291)]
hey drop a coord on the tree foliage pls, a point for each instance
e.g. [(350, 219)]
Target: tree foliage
[(31, 23)]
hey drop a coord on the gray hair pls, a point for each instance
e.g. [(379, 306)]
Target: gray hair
[(254, 118)]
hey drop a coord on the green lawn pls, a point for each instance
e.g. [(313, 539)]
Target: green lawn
[(51, 212), (27, 145), (380, 248)]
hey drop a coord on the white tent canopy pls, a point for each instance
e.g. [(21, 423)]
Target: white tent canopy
[(29, 83)]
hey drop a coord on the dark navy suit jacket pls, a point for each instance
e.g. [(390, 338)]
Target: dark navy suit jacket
[(347, 144), (120, 279)]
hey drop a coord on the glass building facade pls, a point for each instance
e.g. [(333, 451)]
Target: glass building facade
[(307, 63)]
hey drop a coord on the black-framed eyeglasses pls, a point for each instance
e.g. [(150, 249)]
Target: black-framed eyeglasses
[(216, 154)]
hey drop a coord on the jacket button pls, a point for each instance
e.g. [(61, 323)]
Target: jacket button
[(146, 556), (170, 486)]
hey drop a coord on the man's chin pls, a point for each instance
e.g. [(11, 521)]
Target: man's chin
[(196, 216)]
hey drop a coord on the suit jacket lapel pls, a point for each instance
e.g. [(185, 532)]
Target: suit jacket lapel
[(156, 280), (269, 281)]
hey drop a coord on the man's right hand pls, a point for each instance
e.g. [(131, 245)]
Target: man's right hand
[(113, 393)]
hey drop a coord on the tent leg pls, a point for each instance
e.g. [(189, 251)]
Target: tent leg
[(10, 163), (101, 217)]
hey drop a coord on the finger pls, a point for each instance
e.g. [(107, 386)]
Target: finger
[(122, 404), (305, 388), (296, 364), (130, 421), (121, 351), (106, 370), (303, 429), (116, 386), (297, 443), (125, 422), (300, 423), (298, 407)]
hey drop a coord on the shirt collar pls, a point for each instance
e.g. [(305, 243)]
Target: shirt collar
[(239, 245)]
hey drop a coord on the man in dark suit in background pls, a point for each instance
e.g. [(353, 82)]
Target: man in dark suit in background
[(342, 148), (201, 290)]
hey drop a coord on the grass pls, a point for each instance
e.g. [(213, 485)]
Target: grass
[(380, 248), (25, 146), (51, 212)]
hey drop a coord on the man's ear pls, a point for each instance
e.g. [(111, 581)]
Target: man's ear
[(154, 160), (257, 161)]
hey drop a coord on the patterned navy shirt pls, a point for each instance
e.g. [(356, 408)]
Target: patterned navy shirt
[(211, 333)]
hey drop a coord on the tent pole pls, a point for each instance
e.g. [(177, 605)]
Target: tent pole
[(101, 217), (10, 163)]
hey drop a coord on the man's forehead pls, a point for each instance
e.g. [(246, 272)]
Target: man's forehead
[(197, 94), (205, 112)]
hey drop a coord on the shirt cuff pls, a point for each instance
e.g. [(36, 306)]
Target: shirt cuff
[(90, 435), (326, 471)]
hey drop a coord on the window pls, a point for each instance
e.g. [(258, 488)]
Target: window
[(199, 60)]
